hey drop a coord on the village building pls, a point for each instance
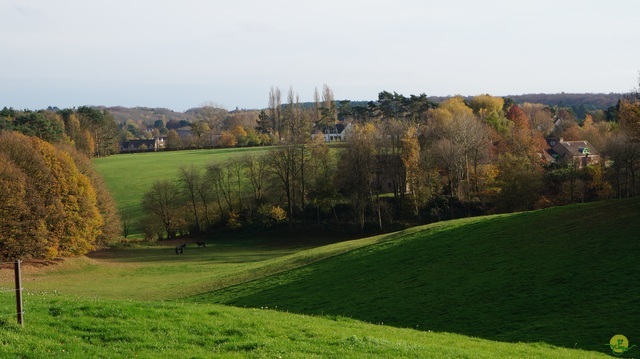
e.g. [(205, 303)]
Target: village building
[(142, 145), (337, 133), (581, 153)]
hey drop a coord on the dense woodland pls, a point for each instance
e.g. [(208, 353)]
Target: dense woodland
[(404, 161)]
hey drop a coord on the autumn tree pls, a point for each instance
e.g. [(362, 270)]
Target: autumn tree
[(227, 139), (595, 133), (629, 113), (59, 205), (102, 128), (460, 142), (522, 140), (485, 106), (173, 140), (213, 116), (78, 136), (321, 191), (624, 153), (357, 168), (22, 226), (539, 116), (519, 181), (112, 223), (240, 134), (411, 161), (201, 132)]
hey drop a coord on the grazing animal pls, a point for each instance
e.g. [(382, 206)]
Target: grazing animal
[(180, 248), (201, 244)]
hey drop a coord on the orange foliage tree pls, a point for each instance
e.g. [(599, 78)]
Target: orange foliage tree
[(54, 202)]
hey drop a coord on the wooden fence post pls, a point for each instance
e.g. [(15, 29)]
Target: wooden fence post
[(18, 292)]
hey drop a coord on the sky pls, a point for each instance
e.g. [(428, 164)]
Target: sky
[(181, 54)]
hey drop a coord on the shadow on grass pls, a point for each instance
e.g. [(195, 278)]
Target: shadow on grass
[(565, 276)]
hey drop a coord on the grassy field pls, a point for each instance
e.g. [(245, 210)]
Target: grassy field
[(155, 272), (554, 283), (565, 276), (128, 176), (59, 326)]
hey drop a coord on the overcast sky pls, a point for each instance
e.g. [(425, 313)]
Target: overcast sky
[(180, 54)]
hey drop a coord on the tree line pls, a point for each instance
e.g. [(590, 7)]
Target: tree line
[(406, 161), (91, 131)]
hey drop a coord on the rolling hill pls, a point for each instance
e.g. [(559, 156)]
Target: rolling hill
[(563, 276), (555, 283)]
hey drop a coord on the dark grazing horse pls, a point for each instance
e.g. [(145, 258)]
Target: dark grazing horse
[(201, 244), (180, 248)]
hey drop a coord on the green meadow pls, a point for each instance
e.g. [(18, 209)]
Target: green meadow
[(68, 327), (565, 276), (554, 283), (129, 176)]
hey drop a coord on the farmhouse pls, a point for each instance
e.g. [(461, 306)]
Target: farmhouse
[(338, 133), (141, 145), (581, 153)]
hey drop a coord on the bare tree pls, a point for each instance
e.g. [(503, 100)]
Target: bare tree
[(190, 182), (163, 202), (221, 178), (465, 145), (296, 124), (283, 164), (256, 171), (214, 116), (275, 111)]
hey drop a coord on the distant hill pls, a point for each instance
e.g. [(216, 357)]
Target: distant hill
[(580, 103), (590, 100), (597, 100), (149, 115)]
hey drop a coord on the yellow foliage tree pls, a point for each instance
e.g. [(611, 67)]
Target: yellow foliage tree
[(629, 114), (227, 139), (456, 107), (60, 208), (483, 105)]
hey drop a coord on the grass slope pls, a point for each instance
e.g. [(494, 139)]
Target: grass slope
[(155, 272), (565, 276), (128, 176), (60, 326)]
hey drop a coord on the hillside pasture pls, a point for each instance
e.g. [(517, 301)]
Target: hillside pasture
[(565, 276), (129, 176), (156, 272), (71, 327), (561, 280)]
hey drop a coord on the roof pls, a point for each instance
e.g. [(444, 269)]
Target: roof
[(574, 149)]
